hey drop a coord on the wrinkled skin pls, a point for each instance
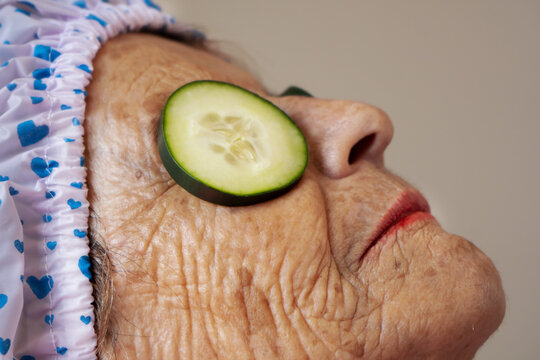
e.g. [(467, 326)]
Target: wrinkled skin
[(285, 278)]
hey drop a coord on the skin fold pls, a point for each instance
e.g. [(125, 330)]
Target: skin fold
[(287, 278)]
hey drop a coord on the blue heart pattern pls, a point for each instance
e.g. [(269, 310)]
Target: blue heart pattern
[(40, 287), (19, 245), (74, 204), (80, 3), (4, 346), (47, 218), (46, 53), (36, 99), (49, 319), (151, 4), (85, 67), (86, 319), (79, 233), (84, 266), (25, 12), (39, 85), (50, 194), (3, 300), (41, 167), (51, 245), (78, 185), (61, 350), (5, 178), (42, 73), (30, 134), (13, 191)]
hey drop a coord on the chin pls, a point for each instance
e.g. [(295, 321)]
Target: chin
[(442, 296), (478, 305)]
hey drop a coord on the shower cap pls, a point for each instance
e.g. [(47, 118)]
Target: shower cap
[(46, 53)]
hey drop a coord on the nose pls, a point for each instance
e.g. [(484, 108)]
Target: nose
[(340, 134)]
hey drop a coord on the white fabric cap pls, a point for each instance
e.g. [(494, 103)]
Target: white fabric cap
[(46, 52)]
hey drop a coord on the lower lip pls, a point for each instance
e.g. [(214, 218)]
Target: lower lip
[(406, 222), (403, 224)]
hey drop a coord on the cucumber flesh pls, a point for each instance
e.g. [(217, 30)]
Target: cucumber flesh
[(229, 146)]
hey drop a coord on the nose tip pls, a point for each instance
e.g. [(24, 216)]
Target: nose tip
[(370, 132), (361, 133), (341, 134)]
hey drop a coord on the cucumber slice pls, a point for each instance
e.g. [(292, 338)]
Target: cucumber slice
[(295, 91), (229, 146)]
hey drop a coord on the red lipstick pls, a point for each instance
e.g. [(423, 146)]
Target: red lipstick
[(409, 207)]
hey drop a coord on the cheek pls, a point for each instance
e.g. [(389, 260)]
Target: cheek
[(355, 206), (280, 244), (286, 234), (283, 228)]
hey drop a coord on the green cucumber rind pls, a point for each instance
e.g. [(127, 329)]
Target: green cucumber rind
[(198, 187), (295, 91)]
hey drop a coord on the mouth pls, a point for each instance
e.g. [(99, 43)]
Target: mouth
[(407, 209)]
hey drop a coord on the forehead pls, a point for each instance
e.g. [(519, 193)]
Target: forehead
[(134, 56)]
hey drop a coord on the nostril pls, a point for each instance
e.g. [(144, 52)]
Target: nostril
[(359, 149)]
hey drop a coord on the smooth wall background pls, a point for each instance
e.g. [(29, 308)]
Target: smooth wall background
[(461, 82)]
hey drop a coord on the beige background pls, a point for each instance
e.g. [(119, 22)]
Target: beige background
[(461, 82)]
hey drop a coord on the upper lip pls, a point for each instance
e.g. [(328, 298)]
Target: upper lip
[(408, 202)]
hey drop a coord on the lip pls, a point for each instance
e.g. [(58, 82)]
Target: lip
[(409, 207)]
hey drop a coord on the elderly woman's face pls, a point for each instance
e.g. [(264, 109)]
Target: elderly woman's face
[(318, 272)]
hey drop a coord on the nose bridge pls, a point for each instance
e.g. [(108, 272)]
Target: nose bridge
[(341, 134)]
